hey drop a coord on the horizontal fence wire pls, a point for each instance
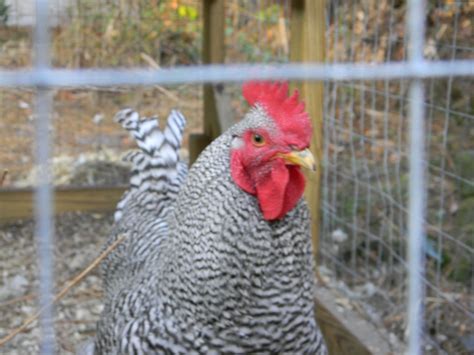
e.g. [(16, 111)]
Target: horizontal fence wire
[(420, 69)]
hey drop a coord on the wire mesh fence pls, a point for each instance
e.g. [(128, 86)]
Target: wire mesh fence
[(112, 34), (365, 189), (367, 147)]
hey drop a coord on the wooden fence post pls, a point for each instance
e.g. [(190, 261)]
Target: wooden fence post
[(212, 52), (307, 44)]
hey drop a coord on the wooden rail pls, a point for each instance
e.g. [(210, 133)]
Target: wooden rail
[(212, 52), (308, 25), (18, 203), (345, 331)]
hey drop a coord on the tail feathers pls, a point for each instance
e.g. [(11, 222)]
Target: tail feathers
[(156, 166), (147, 133), (174, 129)]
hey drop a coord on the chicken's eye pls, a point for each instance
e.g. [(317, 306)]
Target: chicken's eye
[(258, 140)]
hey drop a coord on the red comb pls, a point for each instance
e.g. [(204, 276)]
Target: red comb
[(288, 112)]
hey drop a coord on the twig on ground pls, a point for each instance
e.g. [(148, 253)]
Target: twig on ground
[(4, 177), (16, 300), (61, 293), (89, 293)]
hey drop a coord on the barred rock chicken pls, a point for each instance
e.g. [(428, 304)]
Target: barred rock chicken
[(221, 263)]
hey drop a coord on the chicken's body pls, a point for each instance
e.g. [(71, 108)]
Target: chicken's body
[(157, 176), (221, 279)]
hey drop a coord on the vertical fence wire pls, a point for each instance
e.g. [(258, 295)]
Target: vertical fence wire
[(416, 232), (44, 194), (417, 182)]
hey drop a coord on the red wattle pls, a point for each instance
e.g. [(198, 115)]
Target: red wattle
[(277, 190), (281, 191), (239, 174), (271, 191), (294, 189)]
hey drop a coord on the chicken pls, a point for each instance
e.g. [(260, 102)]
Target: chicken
[(157, 175), (224, 265)]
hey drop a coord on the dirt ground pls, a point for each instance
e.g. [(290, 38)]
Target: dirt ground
[(78, 240), (83, 123)]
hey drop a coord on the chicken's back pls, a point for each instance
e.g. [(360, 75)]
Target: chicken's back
[(157, 175)]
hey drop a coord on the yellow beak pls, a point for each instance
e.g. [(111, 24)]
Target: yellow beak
[(302, 158)]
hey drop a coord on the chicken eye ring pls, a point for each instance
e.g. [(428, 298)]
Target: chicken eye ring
[(258, 140)]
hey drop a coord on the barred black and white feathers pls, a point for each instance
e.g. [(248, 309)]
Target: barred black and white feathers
[(157, 175), (156, 166), (205, 273)]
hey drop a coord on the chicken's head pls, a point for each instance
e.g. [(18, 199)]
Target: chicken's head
[(270, 147)]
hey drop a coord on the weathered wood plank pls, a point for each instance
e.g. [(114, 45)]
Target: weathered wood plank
[(18, 203), (308, 45), (212, 52), (297, 30), (314, 47), (225, 114), (345, 332), (339, 339), (197, 143)]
